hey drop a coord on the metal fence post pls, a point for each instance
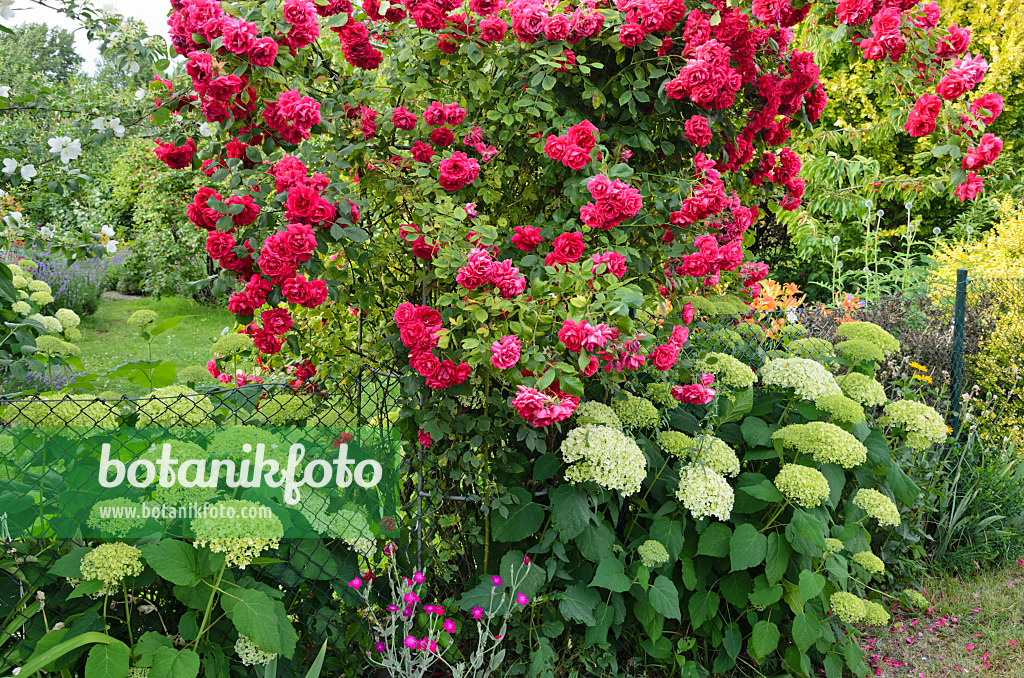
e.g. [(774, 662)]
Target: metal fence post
[(956, 361)]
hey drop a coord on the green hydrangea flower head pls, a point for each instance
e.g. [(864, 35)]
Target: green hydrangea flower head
[(869, 561), (20, 281), (660, 393), (233, 343), (841, 408), (21, 308), (862, 388), (676, 444), (848, 607), (716, 455), (752, 332), (68, 412), (16, 269), (721, 339), (142, 319), (67, 318), (39, 286), (652, 553), (229, 442), (700, 304), (239, 529), (870, 332), (825, 442), (138, 672), (833, 545), (635, 412), (916, 599), (878, 506), (176, 494), (53, 326), (605, 456), (52, 346), (193, 374), (811, 348), (249, 654), (111, 563), (809, 379), (26, 264), (704, 492), (859, 351), (117, 525), (41, 298), (875, 614), (284, 407), (790, 332), (174, 405), (923, 425), (73, 334), (802, 485), (593, 412), (727, 370)]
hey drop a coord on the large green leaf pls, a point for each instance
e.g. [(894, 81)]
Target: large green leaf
[(777, 558), (714, 541), (147, 645), (570, 511), (764, 639), (174, 560), (610, 575), (806, 631), (747, 548), (47, 656), (664, 597), (170, 663), (107, 661), (523, 520), (703, 606), (578, 604), (262, 619), (811, 584), (669, 533)]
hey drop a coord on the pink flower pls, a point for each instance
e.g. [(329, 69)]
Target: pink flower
[(355, 583), (477, 613), (665, 356), (380, 646), (411, 642), (449, 626), (680, 334), (419, 577), (985, 153), (566, 248), (614, 263), (426, 440), (411, 598), (921, 121), (591, 368), (694, 394), (522, 599), (970, 189), (496, 580), (458, 170), (505, 352), (697, 131), (526, 238)]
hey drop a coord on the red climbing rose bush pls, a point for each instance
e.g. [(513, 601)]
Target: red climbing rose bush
[(501, 196)]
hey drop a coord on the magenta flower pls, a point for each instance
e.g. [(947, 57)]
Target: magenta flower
[(522, 599), (418, 577), (407, 612), (496, 580), (433, 609), (355, 583), (380, 646), (392, 608), (478, 613), (411, 642), (411, 598), (449, 626)]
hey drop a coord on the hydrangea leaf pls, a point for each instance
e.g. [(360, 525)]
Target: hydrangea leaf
[(578, 604), (570, 511), (806, 631), (764, 639), (263, 620), (703, 606), (174, 560), (714, 541), (811, 584), (747, 547), (611, 575), (170, 663), (107, 661)]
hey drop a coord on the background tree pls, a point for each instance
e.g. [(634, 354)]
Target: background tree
[(37, 50)]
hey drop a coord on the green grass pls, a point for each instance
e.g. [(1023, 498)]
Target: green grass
[(975, 628), (108, 341)]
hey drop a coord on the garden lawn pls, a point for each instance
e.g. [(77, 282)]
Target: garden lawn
[(975, 628), (108, 341)]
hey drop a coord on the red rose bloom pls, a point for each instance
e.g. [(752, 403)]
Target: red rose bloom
[(422, 152), (277, 320), (175, 157), (458, 170), (567, 248), (403, 119)]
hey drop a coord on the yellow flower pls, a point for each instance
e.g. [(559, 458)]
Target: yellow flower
[(919, 367), (923, 377)]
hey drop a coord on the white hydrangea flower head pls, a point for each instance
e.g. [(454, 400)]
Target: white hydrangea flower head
[(705, 492), (53, 325), (869, 561), (635, 412), (232, 344), (606, 456), (871, 333), (120, 525), (138, 672), (141, 319), (593, 412), (802, 485), (923, 425), (174, 405), (652, 553), (67, 318), (848, 607), (250, 654), (39, 286), (878, 506), (809, 379), (841, 408), (916, 599), (660, 393), (863, 389), (55, 346), (73, 334), (21, 307), (833, 545), (728, 370), (825, 442), (111, 563), (239, 529), (41, 298)]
